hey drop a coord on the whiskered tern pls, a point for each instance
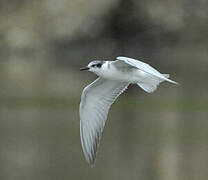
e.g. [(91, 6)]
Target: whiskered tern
[(97, 97)]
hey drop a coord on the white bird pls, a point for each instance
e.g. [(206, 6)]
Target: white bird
[(97, 97)]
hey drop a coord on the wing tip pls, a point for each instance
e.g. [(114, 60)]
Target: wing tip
[(174, 82), (169, 80), (90, 153), (91, 162), (90, 158)]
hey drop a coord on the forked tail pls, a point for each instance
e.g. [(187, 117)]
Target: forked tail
[(152, 83)]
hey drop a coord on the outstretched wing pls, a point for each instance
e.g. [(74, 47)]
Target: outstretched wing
[(145, 68), (96, 100)]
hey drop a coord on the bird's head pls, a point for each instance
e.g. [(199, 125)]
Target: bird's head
[(94, 66)]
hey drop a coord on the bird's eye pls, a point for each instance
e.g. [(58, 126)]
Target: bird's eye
[(93, 65), (99, 65)]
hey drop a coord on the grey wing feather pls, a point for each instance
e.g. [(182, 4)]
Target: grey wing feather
[(144, 67), (96, 100)]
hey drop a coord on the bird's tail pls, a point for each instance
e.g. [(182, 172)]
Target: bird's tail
[(152, 83)]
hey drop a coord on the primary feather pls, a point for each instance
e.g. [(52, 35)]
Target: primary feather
[(95, 103)]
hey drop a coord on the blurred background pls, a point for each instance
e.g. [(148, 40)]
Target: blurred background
[(159, 136)]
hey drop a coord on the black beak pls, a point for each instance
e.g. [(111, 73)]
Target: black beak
[(84, 69)]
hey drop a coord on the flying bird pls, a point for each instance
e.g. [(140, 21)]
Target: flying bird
[(97, 97)]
